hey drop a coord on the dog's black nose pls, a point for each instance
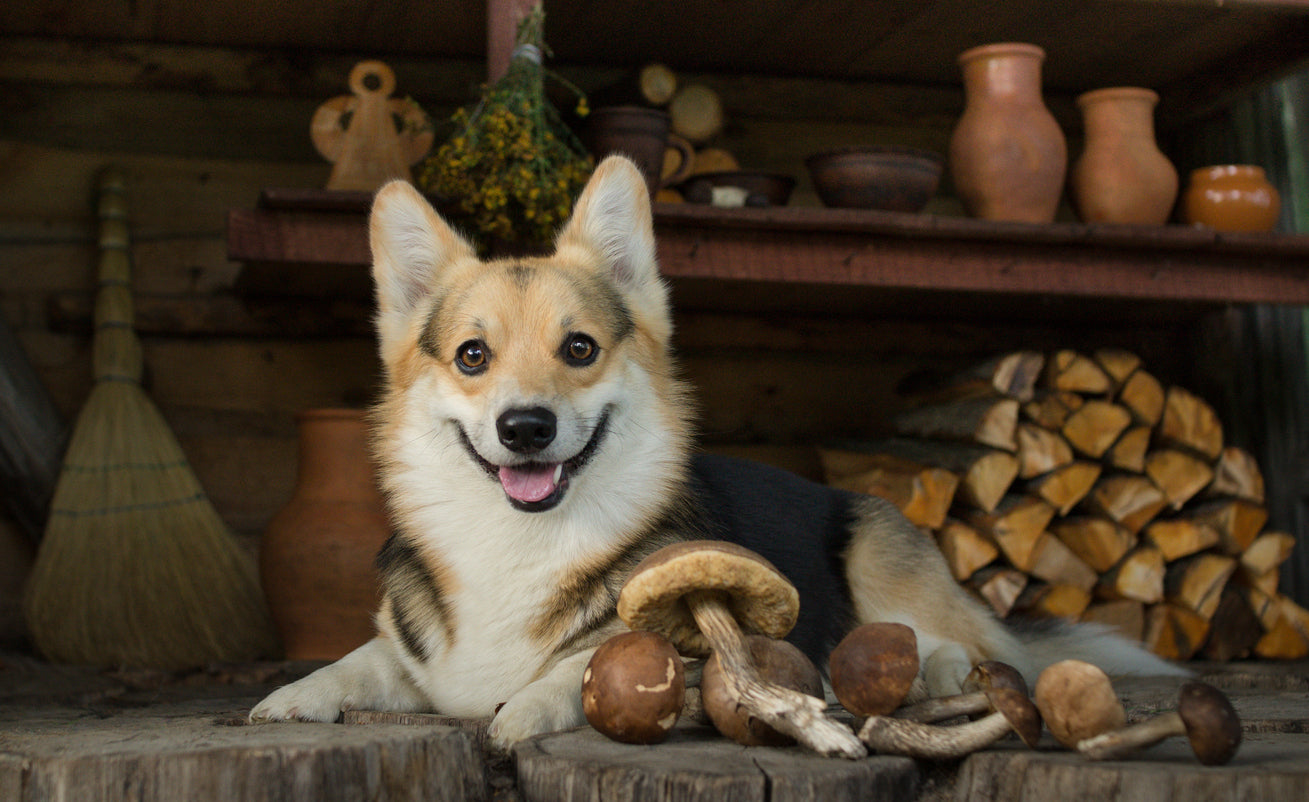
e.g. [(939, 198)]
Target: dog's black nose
[(526, 431)]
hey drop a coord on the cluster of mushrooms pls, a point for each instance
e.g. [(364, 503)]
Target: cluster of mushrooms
[(717, 600)]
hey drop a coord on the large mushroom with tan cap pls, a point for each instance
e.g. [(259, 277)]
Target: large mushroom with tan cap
[(705, 596), (1077, 701)]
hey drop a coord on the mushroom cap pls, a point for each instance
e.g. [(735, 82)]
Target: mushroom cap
[(1019, 711), (873, 667), (994, 674), (758, 596), (1211, 722), (778, 662), (633, 688), (1078, 701)]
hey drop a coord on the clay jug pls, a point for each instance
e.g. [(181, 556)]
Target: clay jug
[(1008, 156), (643, 135), (1122, 176), (316, 558), (1231, 197)]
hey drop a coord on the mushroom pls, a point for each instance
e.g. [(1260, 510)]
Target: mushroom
[(701, 595), (1012, 711), (1077, 701), (1204, 715), (778, 662), (985, 675), (633, 688), (873, 668)]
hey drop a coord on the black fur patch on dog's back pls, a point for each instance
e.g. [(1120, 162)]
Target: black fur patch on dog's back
[(800, 526)]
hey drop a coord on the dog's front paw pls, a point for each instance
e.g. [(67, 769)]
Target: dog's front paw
[(526, 715), (313, 698)]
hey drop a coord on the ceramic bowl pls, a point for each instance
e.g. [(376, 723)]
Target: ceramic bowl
[(887, 177), (760, 189)]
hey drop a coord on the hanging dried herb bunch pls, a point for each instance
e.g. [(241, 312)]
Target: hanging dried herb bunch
[(512, 165)]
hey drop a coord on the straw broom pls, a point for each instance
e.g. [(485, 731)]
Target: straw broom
[(135, 567)]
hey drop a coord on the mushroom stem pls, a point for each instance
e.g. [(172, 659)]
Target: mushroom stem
[(801, 716), (913, 738), (941, 708), (1111, 745)]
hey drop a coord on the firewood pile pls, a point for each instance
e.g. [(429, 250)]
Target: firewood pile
[(1079, 486)]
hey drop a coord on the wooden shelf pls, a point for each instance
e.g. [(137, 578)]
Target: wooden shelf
[(305, 242)]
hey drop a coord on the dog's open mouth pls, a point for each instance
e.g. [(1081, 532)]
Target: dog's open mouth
[(538, 486)]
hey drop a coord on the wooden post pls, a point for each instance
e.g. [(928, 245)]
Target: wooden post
[(502, 18)]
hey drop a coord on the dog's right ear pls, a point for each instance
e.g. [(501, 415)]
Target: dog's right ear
[(411, 245)]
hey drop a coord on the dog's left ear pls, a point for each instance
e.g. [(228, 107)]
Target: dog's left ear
[(612, 220)]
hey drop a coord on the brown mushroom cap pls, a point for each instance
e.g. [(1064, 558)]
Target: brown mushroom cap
[(1019, 711), (994, 674), (778, 662), (873, 667), (633, 688), (758, 596), (1078, 701), (1212, 725)]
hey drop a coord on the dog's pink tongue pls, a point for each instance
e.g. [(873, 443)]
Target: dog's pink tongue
[(529, 483)]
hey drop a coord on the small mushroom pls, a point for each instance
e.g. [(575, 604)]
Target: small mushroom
[(1077, 701), (973, 701), (701, 595), (1204, 715), (778, 662), (873, 668), (897, 736), (633, 688)]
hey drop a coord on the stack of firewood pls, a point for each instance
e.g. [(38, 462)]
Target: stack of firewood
[(1078, 486)]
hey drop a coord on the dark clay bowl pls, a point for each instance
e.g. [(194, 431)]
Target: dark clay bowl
[(884, 177), (762, 189)]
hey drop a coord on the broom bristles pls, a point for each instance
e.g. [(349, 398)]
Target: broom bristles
[(136, 568)]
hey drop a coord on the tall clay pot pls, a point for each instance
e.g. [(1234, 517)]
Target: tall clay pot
[(1008, 156), (1122, 176), (316, 558)]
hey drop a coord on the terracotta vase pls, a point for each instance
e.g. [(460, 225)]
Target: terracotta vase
[(1008, 156), (1231, 197), (316, 558), (1122, 176)]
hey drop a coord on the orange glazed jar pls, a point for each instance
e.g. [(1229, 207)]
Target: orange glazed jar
[(1231, 197)]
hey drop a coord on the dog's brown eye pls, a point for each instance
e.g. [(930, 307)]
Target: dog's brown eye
[(580, 349), (471, 357)]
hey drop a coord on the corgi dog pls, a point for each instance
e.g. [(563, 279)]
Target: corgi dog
[(534, 442)]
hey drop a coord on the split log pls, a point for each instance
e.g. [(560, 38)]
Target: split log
[(965, 549), (988, 421), (1012, 375), (1129, 450), (1288, 637), (1118, 363), (1197, 582), (1189, 422), (1041, 450), (1095, 426), (1138, 576), (697, 113), (1099, 542), (1049, 409), (714, 160), (1143, 396), (1265, 583), (1180, 537), (1132, 501), (999, 587), (1174, 632), (1064, 488), (1070, 370), (1237, 475), (1179, 474), (984, 473), (1234, 629), (1265, 606), (1056, 563), (1237, 522), (1014, 525), (1267, 553), (922, 493), (1124, 615), (1043, 600), (652, 85)]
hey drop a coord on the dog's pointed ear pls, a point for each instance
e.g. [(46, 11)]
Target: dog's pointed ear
[(410, 244), (612, 220)]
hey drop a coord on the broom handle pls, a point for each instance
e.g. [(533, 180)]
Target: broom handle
[(117, 350)]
